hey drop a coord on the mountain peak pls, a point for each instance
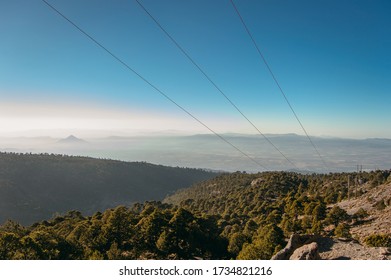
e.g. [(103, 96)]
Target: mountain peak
[(71, 139)]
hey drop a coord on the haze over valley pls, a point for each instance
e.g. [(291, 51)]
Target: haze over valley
[(209, 152)]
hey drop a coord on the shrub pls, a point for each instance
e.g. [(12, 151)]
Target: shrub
[(336, 216), (360, 214), (378, 240), (343, 230), (380, 205)]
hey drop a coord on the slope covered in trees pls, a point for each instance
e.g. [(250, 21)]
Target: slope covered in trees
[(149, 231), (232, 216), (257, 211), (33, 187)]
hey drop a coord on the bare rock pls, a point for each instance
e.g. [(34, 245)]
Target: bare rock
[(306, 252), (335, 249), (257, 181), (295, 241)]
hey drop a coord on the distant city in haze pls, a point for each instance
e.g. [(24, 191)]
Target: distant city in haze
[(331, 59)]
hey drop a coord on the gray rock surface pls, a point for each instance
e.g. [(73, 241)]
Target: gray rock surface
[(295, 241), (306, 252)]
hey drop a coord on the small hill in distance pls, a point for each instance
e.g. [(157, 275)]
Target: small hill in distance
[(71, 139)]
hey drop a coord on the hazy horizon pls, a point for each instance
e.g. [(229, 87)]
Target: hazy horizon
[(207, 151), (99, 134)]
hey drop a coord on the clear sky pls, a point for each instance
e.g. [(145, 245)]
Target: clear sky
[(332, 59)]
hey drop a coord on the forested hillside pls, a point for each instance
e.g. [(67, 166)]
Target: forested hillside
[(253, 195), (232, 216), (34, 187), (258, 210)]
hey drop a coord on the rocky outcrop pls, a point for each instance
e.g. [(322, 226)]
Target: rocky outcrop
[(306, 252), (295, 241)]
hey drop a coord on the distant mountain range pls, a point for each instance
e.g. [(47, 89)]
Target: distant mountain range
[(209, 152), (34, 187)]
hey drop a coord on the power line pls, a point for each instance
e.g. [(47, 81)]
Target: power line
[(149, 83), (276, 81), (210, 79)]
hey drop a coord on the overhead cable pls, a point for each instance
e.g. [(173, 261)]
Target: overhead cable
[(276, 81), (186, 54), (123, 63)]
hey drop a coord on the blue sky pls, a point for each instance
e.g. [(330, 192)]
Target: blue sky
[(332, 58)]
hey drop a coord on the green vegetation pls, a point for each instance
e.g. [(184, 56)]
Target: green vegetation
[(231, 216), (336, 216), (33, 187), (343, 230), (150, 231), (378, 240)]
